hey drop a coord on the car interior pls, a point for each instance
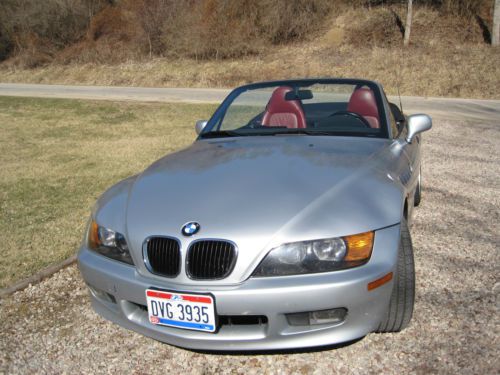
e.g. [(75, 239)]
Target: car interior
[(290, 111)]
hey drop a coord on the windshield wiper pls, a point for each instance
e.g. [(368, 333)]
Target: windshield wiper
[(221, 133), (303, 131), (270, 131), (284, 130)]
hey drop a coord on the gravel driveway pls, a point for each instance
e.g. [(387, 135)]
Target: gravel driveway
[(51, 328)]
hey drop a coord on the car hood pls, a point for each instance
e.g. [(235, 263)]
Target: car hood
[(262, 191)]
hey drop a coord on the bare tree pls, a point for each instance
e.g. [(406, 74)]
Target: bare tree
[(153, 15), (409, 17), (495, 30)]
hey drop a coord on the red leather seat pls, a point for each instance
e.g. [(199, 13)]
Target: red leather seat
[(281, 112), (363, 103)]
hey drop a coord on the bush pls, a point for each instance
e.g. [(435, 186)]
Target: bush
[(456, 7), (6, 46), (36, 27), (213, 29), (234, 28), (378, 27), (113, 36), (117, 30), (153, 16), (284, 21)]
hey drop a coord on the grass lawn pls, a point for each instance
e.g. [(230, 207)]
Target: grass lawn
[(57, 156)]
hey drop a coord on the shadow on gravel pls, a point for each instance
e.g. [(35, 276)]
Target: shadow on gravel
[(278, 352), (462, 209)]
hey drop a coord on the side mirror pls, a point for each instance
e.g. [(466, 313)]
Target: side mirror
[(200, 125), (417, 124)]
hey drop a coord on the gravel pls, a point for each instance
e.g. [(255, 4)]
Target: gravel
[(51, 328)]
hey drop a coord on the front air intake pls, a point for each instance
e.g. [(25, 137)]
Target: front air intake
[(163, 256), (210, 259)]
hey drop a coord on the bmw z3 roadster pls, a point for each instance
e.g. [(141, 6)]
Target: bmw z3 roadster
[(284, 225)]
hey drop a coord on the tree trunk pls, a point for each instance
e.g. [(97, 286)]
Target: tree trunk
[(495, 30), (409, 17)]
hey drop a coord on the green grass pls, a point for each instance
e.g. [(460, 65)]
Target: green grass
[(57, 156)]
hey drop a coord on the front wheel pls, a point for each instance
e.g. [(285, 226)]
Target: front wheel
[(400, 309)]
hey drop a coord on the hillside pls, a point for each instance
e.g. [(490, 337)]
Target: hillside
[(215, 43)]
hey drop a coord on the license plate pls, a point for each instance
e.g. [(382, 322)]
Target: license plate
[(181, 310)]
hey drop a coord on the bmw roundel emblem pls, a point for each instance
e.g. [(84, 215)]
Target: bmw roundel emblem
[(190, 228)]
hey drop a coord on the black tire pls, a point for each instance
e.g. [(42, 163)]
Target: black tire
[(400, 309), (418, 191)]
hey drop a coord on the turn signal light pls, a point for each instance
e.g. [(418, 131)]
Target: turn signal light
[(379, 282), (359, 246), (94, 241)]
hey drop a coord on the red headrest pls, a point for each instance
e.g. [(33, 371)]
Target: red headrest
[(281, 112), (363, 103)]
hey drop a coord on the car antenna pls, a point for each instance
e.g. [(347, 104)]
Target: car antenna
[(400, 102), (398, 80), (399, 75)]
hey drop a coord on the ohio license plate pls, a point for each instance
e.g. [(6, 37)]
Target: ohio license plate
[(181, 310)]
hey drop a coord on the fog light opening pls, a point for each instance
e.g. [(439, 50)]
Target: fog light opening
[(320, 317)]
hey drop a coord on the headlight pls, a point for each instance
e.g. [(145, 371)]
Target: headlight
[(108, 243), (317, 256)]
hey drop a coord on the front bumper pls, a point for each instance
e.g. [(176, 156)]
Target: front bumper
[(271, 297)]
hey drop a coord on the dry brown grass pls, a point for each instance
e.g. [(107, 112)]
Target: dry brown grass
[(58, 156), (469, 71), (447, 57)]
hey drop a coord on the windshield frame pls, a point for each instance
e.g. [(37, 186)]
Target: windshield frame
[(220, 112)]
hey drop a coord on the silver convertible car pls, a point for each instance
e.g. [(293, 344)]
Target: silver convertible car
[(284, 225)]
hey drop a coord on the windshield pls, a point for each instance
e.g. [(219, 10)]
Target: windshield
[(312, 108)]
